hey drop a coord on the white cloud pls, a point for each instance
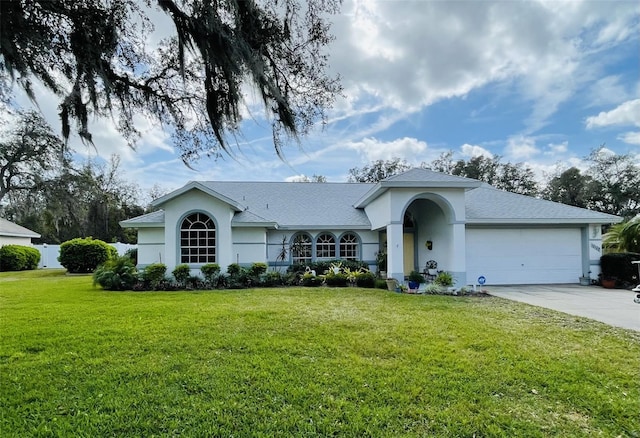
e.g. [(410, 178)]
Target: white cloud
[(297, 178), (410, 54), (630, 137), (607, 91), (520, 147), (372, 149), (626, 114), (474, 151), (557, 148)]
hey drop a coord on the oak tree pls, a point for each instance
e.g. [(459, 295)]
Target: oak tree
[(96, 57)]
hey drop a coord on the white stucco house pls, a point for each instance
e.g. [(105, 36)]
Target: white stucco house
[(14, 234), (468, 227)]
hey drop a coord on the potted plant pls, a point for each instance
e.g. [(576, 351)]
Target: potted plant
[(585, 279), (607, 282), (415, 278)]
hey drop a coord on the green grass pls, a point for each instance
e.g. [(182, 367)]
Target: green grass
[(79, 361)]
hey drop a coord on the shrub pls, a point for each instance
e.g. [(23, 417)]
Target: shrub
[(12, 258), (434, 288), (238, 277), (193, 282), (211, 274), (381, 284), (210, 269), (291, 279), (310, 280), (33, 258), (116, 274), (619, 266), (181, 274), (339, 279), (153, 274), (444, 279), (85, 255), (367, 279), (297, 268), (272, 278), (18, 258), (257, 269), (324, 266), (133, 255)]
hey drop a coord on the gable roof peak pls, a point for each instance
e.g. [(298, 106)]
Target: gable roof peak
[(421, 175)]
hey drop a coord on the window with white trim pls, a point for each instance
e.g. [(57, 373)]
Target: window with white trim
[(325, 246), (349, 247), (301, 249), (197, 239)]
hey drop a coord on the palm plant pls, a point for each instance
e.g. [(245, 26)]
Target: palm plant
[(623, 237), (116, 274)]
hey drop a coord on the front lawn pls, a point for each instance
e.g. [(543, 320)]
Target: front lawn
[(79, 361)]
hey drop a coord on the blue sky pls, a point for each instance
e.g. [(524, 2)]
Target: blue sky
[(540, 82)]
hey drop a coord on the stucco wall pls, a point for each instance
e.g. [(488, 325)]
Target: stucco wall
[(151, 246), (193, 201), (249, 245), (13, 240)]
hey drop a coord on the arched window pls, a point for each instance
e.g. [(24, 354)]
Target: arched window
[(197, 239), (349, 247), (325, 246), (301, 249)]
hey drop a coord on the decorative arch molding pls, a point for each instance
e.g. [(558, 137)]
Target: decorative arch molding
[(442, 202), (197, 238)]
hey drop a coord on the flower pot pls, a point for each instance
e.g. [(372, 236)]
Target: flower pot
[(585, 281), (392, 284), (413, 284), (608, 283)]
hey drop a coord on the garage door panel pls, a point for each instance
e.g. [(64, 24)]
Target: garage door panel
[(524, 256)]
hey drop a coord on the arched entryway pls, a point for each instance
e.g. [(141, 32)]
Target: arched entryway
[(427, 233)]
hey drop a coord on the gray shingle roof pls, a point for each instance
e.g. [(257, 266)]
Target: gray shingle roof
[(427, 177), (292, 205), (416, 178), (331, 205), (8, 228), (486, 204), (149, 219)]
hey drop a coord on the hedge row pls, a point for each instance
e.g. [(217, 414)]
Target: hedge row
[(121, 274), (18, 258), (619, 267)]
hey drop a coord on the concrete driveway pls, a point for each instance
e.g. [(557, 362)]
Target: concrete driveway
[(611, 306)]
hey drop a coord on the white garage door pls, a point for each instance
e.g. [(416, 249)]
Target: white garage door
[(524, 256)]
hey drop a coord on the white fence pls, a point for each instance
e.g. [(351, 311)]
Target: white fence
[(49, 254)]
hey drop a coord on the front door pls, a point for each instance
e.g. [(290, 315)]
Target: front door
[(409, 253)]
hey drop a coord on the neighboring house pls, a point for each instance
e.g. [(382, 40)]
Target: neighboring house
[(14, 234), (468, 227)]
